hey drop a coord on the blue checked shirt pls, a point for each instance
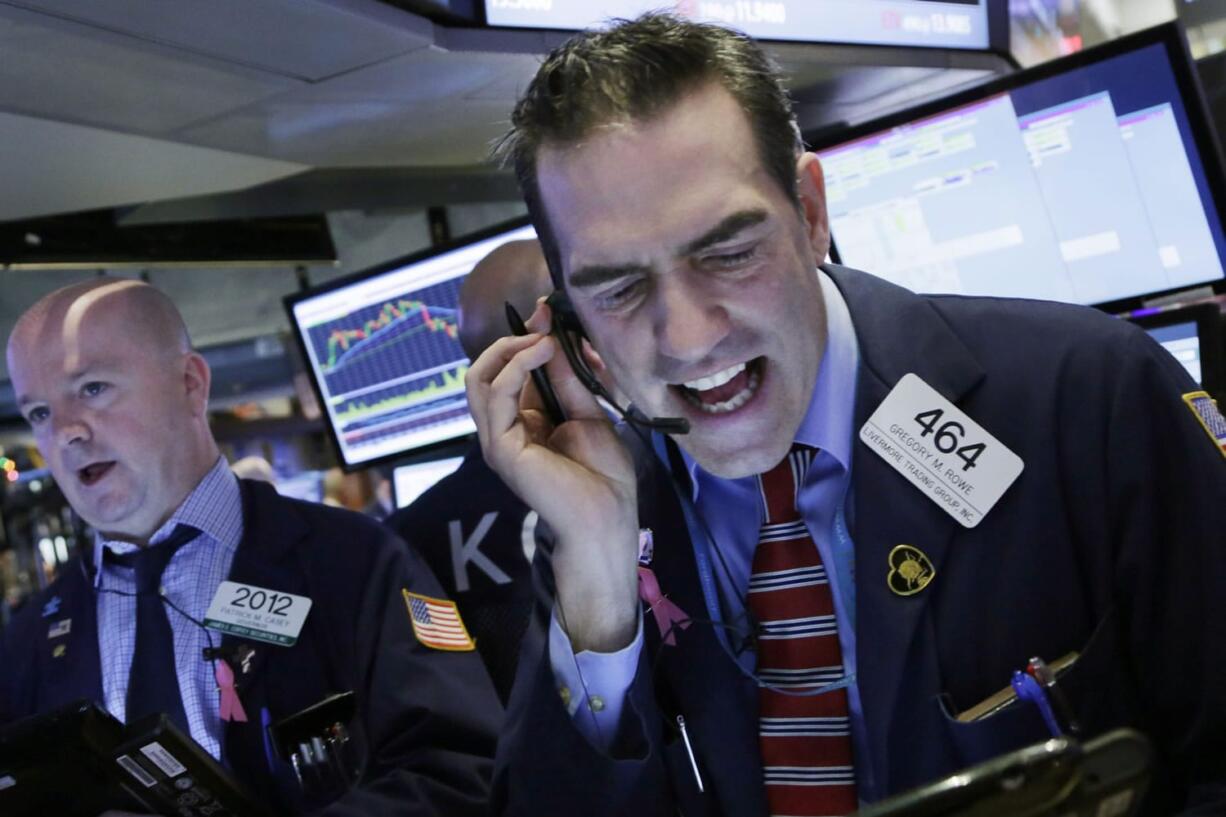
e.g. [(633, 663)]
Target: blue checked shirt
[(190, 581)]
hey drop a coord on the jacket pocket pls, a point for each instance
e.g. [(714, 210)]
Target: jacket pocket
[(1086, 686)]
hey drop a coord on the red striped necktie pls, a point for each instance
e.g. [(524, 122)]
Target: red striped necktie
[(805, 740)]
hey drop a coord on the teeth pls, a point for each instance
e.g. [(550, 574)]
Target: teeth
[(715, 380), (734, 402)]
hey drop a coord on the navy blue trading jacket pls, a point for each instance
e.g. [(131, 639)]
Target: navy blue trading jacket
[(427, 720), (477, 538), (1110, 543)]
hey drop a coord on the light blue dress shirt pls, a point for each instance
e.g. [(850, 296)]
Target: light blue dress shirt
[(189, 583), (732, 511)]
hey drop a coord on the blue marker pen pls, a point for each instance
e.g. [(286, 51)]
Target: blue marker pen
[(269, 754), (1029, 689)]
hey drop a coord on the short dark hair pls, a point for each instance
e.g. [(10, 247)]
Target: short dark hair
[(635, 70)]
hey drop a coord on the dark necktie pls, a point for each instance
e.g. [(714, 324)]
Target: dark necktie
[(153, 683), (805, 740)]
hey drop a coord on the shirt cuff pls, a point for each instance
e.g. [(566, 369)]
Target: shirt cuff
[(593, 685)]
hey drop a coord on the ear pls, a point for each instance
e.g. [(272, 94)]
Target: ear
[(811, 187), (196, 380)]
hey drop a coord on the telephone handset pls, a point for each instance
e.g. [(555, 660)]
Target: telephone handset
[(567, 329)]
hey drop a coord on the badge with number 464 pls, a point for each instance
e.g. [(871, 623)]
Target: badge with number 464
[(941, 450)]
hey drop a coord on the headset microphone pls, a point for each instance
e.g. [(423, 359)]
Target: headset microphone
[(565, 321)]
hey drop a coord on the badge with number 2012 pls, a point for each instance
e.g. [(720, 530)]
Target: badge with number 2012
[(257, 613), (952, 459)]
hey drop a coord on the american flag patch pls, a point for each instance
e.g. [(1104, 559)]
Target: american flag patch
[(436, 623), (1210, 418)]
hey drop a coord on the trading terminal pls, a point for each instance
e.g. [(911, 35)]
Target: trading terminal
[(310, 184)]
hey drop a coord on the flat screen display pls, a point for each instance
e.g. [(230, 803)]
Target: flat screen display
[(1193, 336), (936, 23), (1183, 342), (1092, 179), (411, 481), (383, 351)]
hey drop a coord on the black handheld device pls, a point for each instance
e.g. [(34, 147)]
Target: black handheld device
[(565, 328), (543, 386)]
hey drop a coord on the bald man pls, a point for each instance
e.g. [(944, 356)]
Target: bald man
[(515, 273), (107, 379), (477, 537)]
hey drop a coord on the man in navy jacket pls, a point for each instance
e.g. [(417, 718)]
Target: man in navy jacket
[(116, 399), (662, 167), (477, 537)]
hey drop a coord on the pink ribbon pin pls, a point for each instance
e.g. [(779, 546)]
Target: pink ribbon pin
[(231, 706), (667, 614)]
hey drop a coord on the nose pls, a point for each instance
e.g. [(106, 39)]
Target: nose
[(69, 429), (690, 323)]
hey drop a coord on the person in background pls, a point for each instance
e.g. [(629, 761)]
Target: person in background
[(475, 534), (117, 401), (885, 505)]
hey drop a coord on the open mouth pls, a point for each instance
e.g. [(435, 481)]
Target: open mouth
[(725, 391), (92, 473)]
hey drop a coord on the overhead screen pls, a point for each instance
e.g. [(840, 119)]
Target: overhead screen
[(1093, 179), (948, 24), (384, 355)]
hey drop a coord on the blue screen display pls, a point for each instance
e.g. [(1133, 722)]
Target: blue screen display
[(933, 23), (1085, 187)]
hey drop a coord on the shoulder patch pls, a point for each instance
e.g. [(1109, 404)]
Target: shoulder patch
[(437, 623), (1210, 418)]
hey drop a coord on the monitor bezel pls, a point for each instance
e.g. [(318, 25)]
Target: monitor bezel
[(1208, 319), (1169, 35), (360, 276)]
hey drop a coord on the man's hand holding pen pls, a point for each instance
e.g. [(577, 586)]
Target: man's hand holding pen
[(577, 475)]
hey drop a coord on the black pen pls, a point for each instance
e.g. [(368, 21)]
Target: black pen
[(1046, 676), (543, 387)]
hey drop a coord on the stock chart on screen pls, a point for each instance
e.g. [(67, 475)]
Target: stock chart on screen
[(385, 354)]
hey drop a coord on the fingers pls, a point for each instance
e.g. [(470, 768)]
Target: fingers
[(483, 402), (505, 390), (573, 396)]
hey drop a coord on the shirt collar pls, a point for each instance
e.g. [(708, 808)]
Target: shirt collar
[(214, 507), (828, 419)]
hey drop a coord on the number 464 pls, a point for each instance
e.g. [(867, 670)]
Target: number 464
[(947, 435)]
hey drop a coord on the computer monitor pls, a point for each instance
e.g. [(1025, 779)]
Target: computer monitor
[(1193, 334), (1091, 179), (305, 485), (969, 24), (382, 350), (413, 480)]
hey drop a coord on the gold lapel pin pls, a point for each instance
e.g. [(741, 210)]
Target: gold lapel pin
[(59, 651), (910, 570)]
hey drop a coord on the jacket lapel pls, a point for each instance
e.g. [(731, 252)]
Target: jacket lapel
[(702, 681), (898, 673), (265, 558), (70, 664)]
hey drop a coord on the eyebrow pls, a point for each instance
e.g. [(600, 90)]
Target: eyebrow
[(596, 274), (725, 230), (94, 369)]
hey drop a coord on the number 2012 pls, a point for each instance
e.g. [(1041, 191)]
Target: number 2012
[(274, 603), (947, 436)]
